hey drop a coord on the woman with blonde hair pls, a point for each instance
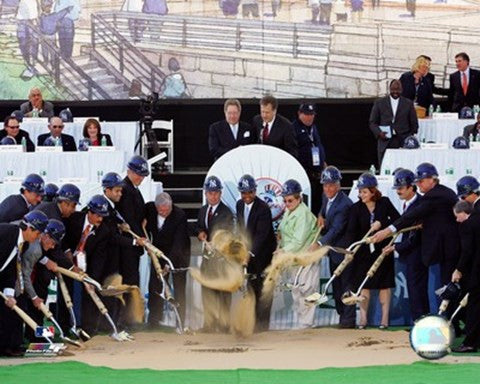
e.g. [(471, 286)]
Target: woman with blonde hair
[(416, 85)]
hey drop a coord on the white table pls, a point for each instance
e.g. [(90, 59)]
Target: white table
[(460, 160), (52, 166), (124, 133), (441, 131)]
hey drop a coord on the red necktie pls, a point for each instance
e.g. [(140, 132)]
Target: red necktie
[(209, 215), (265, 133), (464, 83), (83, 239)]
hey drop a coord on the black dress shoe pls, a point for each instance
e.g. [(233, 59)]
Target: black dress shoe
[(464, 349), (18, 352), (346, 326)]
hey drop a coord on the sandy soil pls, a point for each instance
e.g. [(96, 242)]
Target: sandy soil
[(303, 349)]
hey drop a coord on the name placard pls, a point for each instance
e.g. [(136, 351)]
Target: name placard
[(434, 145), (72, 180), (475, 145), (11, 148), (445, 116), (82, 120), (99, 148), (12, 180), (35, 120), (49, 148), (385, 179)]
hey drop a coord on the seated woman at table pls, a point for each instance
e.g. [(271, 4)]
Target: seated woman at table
[(416, 86), (297, 231), (371, 211), (472, 129), (11, 128), (93, 131), (36, 106)]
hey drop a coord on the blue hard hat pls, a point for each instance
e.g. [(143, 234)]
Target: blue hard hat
[(403, 178), (367, 180), (111, 180), (18, 115), (34, 183), (467, 185), (212, 184), (461, 142), (98, 204), (331, 175), (7, 140), (56, 230), (291, 187), (411, 142), (466, 113), (138, 165), (66, 115), (36, 220), (49, 142), (51, 191), (69, 192), (247, 184), (425, 170)]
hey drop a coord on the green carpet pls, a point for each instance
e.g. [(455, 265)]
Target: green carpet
[(73, 372)]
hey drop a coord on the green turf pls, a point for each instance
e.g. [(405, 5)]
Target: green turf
[(73, 372)]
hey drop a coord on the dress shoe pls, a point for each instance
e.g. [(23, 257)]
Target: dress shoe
[(464, 349), (383, 326), (17, 352), (346, 326)]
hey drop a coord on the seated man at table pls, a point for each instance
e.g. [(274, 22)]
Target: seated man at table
[(55, 136), (11, 128), (473, 129), (36, 106)]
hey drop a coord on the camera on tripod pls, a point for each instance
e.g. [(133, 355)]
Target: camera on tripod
[(149, 106)]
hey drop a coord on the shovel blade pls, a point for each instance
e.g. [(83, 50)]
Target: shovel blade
[(351, 298)]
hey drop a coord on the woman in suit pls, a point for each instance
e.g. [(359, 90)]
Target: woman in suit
[(416, 86), (371, 211), (93, 131)]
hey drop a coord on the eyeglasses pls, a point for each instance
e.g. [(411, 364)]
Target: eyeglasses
[(57, 126), (13, 126), (292, 200)]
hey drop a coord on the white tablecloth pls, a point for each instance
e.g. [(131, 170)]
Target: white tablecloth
[(441, 131), (458, 159), (52, 166), (124, 133)]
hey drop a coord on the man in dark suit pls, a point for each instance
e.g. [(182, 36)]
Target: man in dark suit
[(464, 84), (213, 216), (88, 239), (55, 136), (472, 129), (409, 247), (332, 218), (36, 104), (13, 239), (229, 133), (11, 128), (254, 219), (274, 129), (14, 207), (132, 208), (392, 119), (167, 225), (440, 243)]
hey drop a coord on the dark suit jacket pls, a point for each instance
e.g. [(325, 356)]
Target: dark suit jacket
[(305, 144), (172, 239), (96, 247), (18, 138), (132, 208), (281, 134), (221, 140), (259, 230), (222, 219), (336, 219), (456, 98), (436, 90), (8, 241), (68, 142), (47, 110), (13, 208), (440, 240), (472, 129), (469, 262), (423, 95), (411, 241)]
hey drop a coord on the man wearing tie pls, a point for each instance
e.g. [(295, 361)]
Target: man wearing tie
[(13, 239), (274, 129), (408, 247), (213, 216), (255, 221), (230, 133), (464, 84), (332, 218)]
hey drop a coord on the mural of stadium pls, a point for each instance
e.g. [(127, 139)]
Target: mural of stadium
[(120, 49)]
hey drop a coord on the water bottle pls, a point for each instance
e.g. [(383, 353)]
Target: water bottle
[(439, 109), (57, 142), (430, 110), (35, 112), (24, 144), (103, 142), (476, 109), (468, 171), (372, 169), (477, 137), (387, 171), (470, 137)]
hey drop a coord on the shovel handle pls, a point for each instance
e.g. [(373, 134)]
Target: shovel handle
[(20, 312), (44, 309), (349, 257), (101, 307), (64, 289)]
